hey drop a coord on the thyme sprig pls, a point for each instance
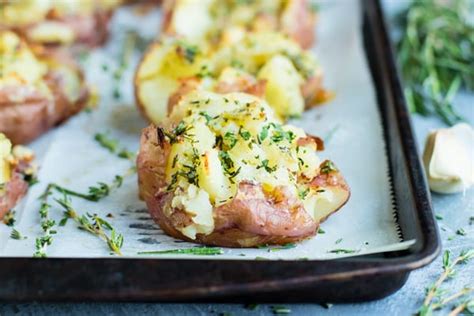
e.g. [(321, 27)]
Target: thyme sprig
[(434, 291), (47, 224), (95, 193), (198, 251), (93, 224), (435, 54), (112, 145)]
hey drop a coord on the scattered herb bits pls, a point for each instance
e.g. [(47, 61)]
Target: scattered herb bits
[(197, 251)]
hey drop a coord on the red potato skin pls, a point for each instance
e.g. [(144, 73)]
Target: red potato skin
[(252, 218), (300, 22), (90, 30), (15, 190), (26, 113), (247, 84)]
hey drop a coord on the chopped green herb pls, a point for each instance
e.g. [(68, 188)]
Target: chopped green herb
[(197, 251), (106, 142), (244, 134), (321, 231), (188, 51), (281, 310), (267, 167), (461, 232), (15, 234), (229, 140), (328, 167), (303, 194), (338, 241), (342, 251), (283, 247), (251, 307), (439, 217)]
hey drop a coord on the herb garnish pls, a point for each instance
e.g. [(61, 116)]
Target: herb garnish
[(229, 140), (328, 167), (188, 51), (244, 134), (342, 251), (281, 310), (461, 232), (15, 234), (283, 247), (198, 251), (433, 299), (435, 53), (95, 193), (267, 167), (112, 145), (93, 224), (47, 224)]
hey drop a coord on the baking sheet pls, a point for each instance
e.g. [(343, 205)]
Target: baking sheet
[(350, 124)]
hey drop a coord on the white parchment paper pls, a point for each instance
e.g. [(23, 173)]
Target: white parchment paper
[(350, 125)]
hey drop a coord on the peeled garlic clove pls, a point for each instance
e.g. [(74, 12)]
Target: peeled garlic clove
[(449, 159)]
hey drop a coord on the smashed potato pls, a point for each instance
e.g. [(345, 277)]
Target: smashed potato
[(222, 170), (59, 22), (39, 88), (264, 64), (16, 170), (226, 20)]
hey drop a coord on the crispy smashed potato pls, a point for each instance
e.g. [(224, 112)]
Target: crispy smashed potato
[(59, 22), (222, 170), (39, 88), (264, 64), (216, 20), (16, 169)]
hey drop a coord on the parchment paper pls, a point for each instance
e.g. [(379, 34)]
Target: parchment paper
[(350, 125)]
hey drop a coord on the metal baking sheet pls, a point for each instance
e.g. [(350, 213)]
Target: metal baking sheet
[(315, 280)]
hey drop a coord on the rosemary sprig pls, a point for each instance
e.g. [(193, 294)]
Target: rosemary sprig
[(448, 271), (47, 224), (198, 251), (435, 54), (93, 224)]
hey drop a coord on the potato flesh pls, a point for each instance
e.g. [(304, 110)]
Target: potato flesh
[(271, 161), (263, 56), (5, 151), (19, 65), (283, 90)]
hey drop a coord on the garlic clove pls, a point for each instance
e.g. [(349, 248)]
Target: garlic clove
[(449, 159)]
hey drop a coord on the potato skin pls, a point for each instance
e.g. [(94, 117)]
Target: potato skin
[(15, 189), (297, 20), (26, 113), (89, 29), (252, 218)]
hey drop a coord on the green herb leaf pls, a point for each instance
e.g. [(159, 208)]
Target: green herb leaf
[(197, 251)]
